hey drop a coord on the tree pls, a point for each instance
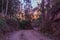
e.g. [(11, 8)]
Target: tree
[(6, 7), (43, 14), (9, 7), (53, 19), (27, 8), (52, 12), (13, 7)]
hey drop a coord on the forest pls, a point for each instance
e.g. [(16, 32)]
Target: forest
[(18, 15)]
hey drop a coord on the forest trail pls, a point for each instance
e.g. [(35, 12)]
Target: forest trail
[(26, 35)]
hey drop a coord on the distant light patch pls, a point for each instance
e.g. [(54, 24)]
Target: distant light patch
[(33, 3)]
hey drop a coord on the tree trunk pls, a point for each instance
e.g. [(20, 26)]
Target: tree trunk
[(48, 12), (43, 15), (2, 8), (6, 8)]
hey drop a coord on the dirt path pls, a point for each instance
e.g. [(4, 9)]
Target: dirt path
[(26, 35)]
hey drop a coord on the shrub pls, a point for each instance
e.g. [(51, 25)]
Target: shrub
[(2, 23), (13, 24), (22, 24)]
